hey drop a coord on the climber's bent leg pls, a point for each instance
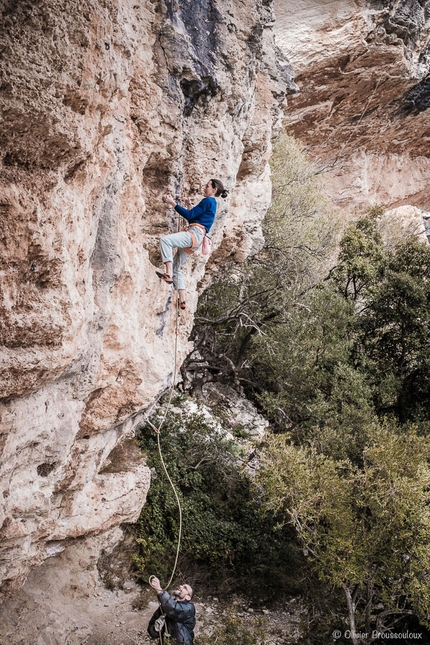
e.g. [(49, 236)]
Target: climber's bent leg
[(172, 241), (180, 241), (167, 244)]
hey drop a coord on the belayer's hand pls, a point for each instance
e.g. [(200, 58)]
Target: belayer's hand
[(155, 583)]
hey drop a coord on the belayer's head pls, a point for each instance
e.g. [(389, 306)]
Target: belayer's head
[(214, 188), (183, 592)]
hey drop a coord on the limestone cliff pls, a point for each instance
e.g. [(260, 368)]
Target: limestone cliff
[(363, 72), (107, 105)]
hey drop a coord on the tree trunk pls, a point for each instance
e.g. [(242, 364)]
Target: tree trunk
[(368, 612), (350, 601)]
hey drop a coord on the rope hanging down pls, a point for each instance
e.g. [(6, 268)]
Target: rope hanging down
[(158, 432)]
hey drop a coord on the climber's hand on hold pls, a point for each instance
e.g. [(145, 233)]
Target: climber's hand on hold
[(167, 199)]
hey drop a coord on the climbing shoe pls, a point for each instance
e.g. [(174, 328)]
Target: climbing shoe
[(165, 277), (182, 305)]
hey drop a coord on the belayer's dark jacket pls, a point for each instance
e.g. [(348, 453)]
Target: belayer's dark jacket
[(180, 618)]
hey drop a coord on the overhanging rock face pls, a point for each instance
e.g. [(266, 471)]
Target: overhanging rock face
[(362, 69), (108, 105)]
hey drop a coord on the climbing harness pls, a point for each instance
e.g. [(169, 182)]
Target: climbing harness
[(206, 243), (194, 246), (191, 249)]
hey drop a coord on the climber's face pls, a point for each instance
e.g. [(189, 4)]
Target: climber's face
[(209, 190)]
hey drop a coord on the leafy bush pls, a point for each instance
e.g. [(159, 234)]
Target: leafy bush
[(223, 532)]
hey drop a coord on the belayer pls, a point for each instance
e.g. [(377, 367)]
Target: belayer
[(175, 617), (200, 219)]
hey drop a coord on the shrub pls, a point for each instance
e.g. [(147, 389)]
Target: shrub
[(223, 532)]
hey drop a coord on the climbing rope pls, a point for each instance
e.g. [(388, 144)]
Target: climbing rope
[(157, 430), (178, 547)]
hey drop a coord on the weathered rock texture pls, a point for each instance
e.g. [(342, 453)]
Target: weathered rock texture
[(106, 106), (363, 73), (65, 601)]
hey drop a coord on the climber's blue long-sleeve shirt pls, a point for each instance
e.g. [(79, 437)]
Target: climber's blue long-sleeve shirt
[(204, 213)]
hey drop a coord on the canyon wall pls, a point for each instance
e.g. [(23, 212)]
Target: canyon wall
[(106, 106), (362, 67)]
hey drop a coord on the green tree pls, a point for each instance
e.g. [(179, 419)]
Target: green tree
[(361, 259), (395, 333), (366, 529), (252, 298), (306, 375), (391, 291)]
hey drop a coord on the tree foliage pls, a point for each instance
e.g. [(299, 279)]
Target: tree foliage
[(222, 532), (395, 333), (306, 371), (361, 258), (366, 529)]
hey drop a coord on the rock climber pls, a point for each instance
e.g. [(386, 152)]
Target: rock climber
[(200, 219), (179, 612)]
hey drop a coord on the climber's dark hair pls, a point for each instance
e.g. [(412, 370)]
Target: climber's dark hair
[(221, 191)]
